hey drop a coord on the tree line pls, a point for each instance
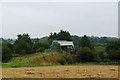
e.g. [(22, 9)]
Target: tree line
[(87, 49)]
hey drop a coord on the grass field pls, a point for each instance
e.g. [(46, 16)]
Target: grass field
[(46, 65), (93, 71)]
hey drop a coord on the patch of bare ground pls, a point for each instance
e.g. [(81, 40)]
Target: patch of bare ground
[(62, 72)]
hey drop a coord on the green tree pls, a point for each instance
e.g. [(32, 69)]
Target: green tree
[(100, 51), (22, 48), (115, 44), (85, 54), (62, 35), (114, 54), (9, 45), (113, 50), (23, 44), (6, 53), (85, 42)]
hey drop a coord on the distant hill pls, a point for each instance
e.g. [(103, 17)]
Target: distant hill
[(43, 39), (7, 40)]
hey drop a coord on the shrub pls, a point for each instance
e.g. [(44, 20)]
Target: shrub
[(23, 52), (100, 51), (6, 53), (68, 58), (41, 49), (22, 47), (97, 58), (62, 61), (114, 54), (40, 46), (86, 54)]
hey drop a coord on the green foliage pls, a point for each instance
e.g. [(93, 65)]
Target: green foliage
[(97, 58), (41, 49), (68, 58), (62, 35), (23, 37), (85, 42), (114, 54), (26, 61), (50, 41), (6, 53), (58, 47), (62, 61), (86, 54), (23, 52), (40, 46), (23, 44), (113, 45), (113, 50), (100, 51), (9, 45)]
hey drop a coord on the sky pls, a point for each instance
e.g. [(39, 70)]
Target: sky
[(38, 19)]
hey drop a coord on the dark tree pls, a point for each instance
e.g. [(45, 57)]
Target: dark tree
[(86, 55), (22, 48), (6, 53), (85, 42), (113, 50), (23, 44), (62, 35), (9, 45)]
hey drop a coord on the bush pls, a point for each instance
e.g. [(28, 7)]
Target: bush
[(114, 54), (100, 52), (85, 55), (40, 46), (23, 52), (41, 49), (6, 53), (23, 42), (68, 58), (62, 61), (22, 47), (97, 58)]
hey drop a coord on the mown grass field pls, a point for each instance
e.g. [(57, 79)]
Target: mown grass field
[(89, 71), (46, 65)]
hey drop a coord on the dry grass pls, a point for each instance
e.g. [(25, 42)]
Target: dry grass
[(62, 72)]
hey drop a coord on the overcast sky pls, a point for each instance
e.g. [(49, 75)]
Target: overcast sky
[(38, 19)]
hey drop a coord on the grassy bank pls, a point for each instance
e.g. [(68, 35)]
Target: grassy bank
[(39, 59), (26, 61), (48, 59)]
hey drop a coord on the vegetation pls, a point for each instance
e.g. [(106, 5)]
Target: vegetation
[(86, 55), (85, 42), (87, 49), (6, 53), (40, 46), (40, 59), (62, 35), (23, 44)]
